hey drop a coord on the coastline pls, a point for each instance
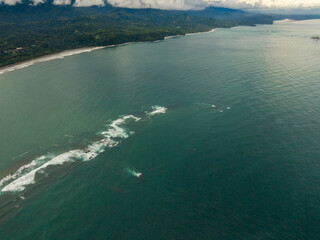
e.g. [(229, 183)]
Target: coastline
[(45, 58), (190, 34), (67, 53)]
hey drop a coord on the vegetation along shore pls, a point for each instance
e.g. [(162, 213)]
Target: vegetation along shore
[(29, 32)]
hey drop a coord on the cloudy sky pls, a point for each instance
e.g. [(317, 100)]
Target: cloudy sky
[(188, 4), (227, 3)]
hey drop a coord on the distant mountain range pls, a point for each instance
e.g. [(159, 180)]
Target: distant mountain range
[(46, 11), (28, 31)]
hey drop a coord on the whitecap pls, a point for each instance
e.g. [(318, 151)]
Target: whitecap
[(157, 110), (20, 183), (134, 173), (22, 170)]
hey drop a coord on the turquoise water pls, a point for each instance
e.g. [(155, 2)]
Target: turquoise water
[(209, 136)]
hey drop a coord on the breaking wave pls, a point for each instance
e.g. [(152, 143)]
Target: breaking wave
[(156, 110), (134, 173), (26, 174)]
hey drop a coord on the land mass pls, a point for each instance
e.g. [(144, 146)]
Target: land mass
[(28, 32)]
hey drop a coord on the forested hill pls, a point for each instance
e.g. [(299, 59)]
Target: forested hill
[(235, 15), (26, 12), (31, 31)]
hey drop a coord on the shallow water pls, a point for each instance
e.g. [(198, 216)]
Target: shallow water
[(233, 153)]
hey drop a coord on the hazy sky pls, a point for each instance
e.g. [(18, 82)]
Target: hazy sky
[(188, 4), (226, 3)]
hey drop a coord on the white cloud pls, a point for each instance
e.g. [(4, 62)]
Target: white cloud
[(62, 2), (88, 3), (14, 2), (266, 3), (160, 4), (36, 2), (10, 2), (186, 4)]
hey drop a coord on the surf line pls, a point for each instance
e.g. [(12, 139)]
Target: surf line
[(26, 175)]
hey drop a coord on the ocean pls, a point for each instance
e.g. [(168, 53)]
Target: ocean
[(206, 136)]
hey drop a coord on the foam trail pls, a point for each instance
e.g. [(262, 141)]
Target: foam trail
[(21, 170), (157, 110), (47, 58), (21, 183), (134, 173), (21, 179)]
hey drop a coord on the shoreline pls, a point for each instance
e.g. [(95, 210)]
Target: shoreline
[(70, 52), (190, 34), (67, 53), (46, 58)]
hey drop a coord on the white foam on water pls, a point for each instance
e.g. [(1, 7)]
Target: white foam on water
[(22, 177), (47, 58), (20, 183), (131, 116), (26, 174), (157, 110), (116, 131), (134, 173), (21, 170)]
